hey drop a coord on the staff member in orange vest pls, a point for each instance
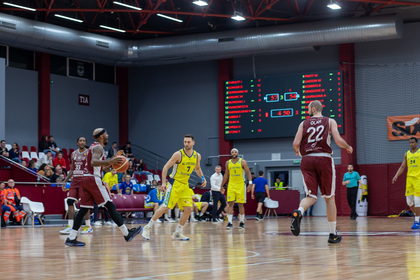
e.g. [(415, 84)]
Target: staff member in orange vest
[(13, 199), (5, 210)]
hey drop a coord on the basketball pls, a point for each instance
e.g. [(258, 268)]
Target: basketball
[(120, 168)]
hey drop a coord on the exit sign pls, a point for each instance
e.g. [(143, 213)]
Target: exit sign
[(297, 161)]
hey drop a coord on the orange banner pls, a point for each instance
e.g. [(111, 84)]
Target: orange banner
[(403, 127)]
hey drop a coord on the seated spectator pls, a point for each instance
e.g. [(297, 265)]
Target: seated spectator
[(60, 179), (47, 159), (12, 195), (24, 163), (208, 197), (113, 150), (31, 165), (121, 177), (53, 146), (43, 168), (198, 206), (14, 153), (278, 185), (43, 144), (57, 172), (3, 147), (48, 174), (157, 196), (154, 184), (60, 160), (139, 166), (126, 187), (110, 179), (4, 209), (127, 150)]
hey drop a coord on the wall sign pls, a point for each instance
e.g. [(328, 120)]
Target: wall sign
[(83, 100), (403, 127)]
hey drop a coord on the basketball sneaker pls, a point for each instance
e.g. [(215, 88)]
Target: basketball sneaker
[(180, 236), (97, 224), (416, 225), (158, 221), (334, 238), (192, 219), (74, 243), (66, 230), (229, 226), (87, 230), (145, 232), (257, 217), (172, 220), (108, 223), (241, 225), (261, 217), (295, 226), (215, 221), (132, 233)]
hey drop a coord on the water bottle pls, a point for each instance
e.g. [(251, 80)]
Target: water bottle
[(38, 179)]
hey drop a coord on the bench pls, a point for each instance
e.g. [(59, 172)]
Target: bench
[(130, 203)]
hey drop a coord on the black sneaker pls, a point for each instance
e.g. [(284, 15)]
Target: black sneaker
[(295, 226), (132, 233), (261, 217), (258, 217), (215, 221), (201, 219), (334, 238), (229, 226), (241, 225), (74, 242)]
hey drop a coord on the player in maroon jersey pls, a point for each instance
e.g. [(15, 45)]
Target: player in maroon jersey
[(78, 162), (95, 191), (312, 142)]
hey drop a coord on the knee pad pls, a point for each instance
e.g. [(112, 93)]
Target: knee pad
[(70, 202), (410, 200), (417, 201)]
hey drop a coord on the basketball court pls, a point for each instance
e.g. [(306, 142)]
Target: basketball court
[(380, 248)]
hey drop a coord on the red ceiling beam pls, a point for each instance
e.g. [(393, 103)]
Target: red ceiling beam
[(308, 7), (49, 10), (268, 7), (293, 7), (144, 20), (405, 3), (297, 6), (381, 6), (133, 31), (83, 15)]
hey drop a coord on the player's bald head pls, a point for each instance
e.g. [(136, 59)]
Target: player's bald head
[(96, 131), (317, 105)]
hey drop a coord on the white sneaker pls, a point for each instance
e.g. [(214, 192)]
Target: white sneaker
[(180, 236), (172, 220), (108, 223), (66, 230), (145, 232), (87, 230), (97, 224), (193, 219), (158, 221)]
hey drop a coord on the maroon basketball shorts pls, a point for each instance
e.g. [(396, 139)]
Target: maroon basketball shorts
[(318, 171), (75, 190), (94, 191)]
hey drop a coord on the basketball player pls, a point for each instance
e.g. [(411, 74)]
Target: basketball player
[(95, 191), (236, 188), (412, 190), (77, 166), (184, 162), (312, 142)]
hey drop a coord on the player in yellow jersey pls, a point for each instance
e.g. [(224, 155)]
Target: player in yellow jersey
[(184, 162), (412, 191), (236, 188)]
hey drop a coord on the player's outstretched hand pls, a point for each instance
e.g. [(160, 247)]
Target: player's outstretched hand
[(116, 160), (203, 184), (394, 179), (350, 150)]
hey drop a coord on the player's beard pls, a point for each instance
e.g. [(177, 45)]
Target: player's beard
[(187, 148), (234, 156)]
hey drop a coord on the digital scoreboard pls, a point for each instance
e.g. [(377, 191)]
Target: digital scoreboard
[(271, 107)]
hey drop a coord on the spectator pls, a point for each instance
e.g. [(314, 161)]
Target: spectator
[(3, 147), (217, 192), (139, 165), (110, 180), (4, 209), (157, 196), (48, 174), (351, 180), (60, 160), (24, 163), (31, 165), (127, 150), (121, 177), (14, 153), (198, 206), (53, 146), (60, 179), (278, 185), (47, 159), (261, 189), (113, 150), (130, 170), (126, 187), (43, 168), (154, 184), (57, 172), (12, 199), (43, 144)]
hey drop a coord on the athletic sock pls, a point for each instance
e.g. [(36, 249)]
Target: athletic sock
[(179, 228), (192, 215), (71, 223), (333, 227), (124, 230), (170, 213), (417, 219), (201, 214), (87, 222), (151, 223), (242, 217), (230, 218), (176, 213), (166, 216), (73, 234), (301, 210)]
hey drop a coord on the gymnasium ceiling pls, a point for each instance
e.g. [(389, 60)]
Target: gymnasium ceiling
[(214, 17)]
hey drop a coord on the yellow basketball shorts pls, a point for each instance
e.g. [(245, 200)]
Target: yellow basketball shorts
[(177, 192), (412, 187), (236, 192)]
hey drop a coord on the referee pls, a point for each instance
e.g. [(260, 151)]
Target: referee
[(261, 187), (217, 192)]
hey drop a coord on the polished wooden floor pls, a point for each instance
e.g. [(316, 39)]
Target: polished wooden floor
[(372, 248)]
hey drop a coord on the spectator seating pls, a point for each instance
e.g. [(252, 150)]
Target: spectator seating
[(25, 156), (130, 203), (33, 149), (25, 149), (157, 178), (40, 155), (34, 156)]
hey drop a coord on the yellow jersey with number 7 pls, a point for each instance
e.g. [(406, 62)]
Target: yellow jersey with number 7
[(413, 160), (236, 172), (182, 170)]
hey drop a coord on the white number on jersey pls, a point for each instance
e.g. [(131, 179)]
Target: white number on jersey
[(312, 131)]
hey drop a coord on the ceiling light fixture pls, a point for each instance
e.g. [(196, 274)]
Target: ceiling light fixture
[(171, 18), (18, 6), (112, 28), (333, 5), (200, 3), (69, 18), (237, 16), (127, 6)]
